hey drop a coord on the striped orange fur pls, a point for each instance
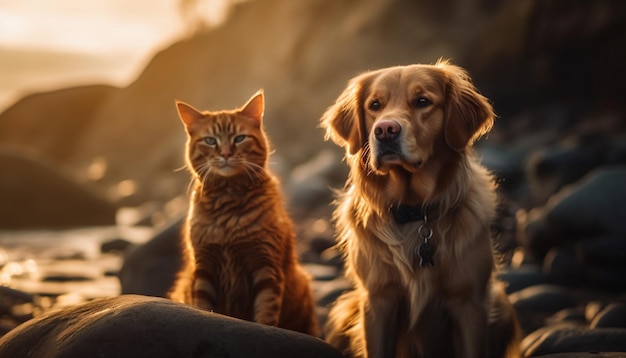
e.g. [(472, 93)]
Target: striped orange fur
[(238, 241)]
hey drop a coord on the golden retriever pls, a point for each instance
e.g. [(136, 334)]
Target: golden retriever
[(414, 219)]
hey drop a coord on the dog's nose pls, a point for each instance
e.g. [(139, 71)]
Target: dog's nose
[(386, 130)]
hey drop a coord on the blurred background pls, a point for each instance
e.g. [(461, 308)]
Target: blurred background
[(91, 147)]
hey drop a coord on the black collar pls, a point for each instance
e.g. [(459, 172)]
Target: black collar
[(403, 214)]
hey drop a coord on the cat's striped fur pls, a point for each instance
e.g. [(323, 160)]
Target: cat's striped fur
[(239, 246)]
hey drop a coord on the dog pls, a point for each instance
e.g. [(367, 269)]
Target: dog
[(414, 219)]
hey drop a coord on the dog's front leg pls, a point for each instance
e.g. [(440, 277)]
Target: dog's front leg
[(470, 329), (380, 314)]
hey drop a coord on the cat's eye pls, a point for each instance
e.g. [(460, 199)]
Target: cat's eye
[(239, 138), (210, 141), (375, 105)]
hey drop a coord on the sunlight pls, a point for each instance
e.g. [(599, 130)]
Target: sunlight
[(94, 26), (97, 169), (51, 44)]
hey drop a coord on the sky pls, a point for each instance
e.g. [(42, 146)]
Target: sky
[(50, 44)]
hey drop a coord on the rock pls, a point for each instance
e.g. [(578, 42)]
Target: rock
[(115, 246), (139, 326), (603, 250), (320, 243), (613, 315), (150, 269), (595, 206), (321, 272), (563, 268), (504, 163), (327, 292), (574, 315), (585, 355), (537, 237), (15, 308), (536, 303), (573, 339), (309, 185), (525, 276), (7, 293), (37, 195), (543, 298), (592, 309), (548, 170), (52, 123), (611, 279)]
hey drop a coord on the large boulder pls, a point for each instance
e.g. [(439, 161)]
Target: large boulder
[(136, 326), (35, 194), (597, 205), (150, 269), (54, 122)]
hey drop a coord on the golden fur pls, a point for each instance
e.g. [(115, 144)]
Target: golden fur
[(408, 133)]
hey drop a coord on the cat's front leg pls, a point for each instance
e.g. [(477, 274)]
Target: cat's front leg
[(203, 294), (268, 287)]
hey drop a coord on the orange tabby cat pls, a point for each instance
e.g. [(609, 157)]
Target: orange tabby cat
[(239, 248)]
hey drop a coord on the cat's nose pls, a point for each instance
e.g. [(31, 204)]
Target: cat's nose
[(225, 154)]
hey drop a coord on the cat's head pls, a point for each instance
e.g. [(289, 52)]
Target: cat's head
[(225, 143)]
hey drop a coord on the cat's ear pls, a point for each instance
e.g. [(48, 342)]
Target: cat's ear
[(255, 107), (188, 114)]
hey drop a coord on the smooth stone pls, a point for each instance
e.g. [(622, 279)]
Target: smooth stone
[(151, 268), (574, 315), (603, 250), (543, 298), (595, 206), (564, 268), (537, 236), (321, 272), (132, 326), (560, 339), (523, 277), (613, 315), (551, 168)]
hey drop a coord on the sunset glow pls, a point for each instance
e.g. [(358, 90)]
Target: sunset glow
[(48, 44)]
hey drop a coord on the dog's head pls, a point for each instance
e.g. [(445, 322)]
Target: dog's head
[(400, 116)]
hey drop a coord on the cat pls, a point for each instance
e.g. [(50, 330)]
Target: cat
[(239, 254)]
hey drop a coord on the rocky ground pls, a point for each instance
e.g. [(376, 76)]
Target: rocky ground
[(90, 199), (563, 260)]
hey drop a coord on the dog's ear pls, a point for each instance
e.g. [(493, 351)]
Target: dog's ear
[(467, 114), (343, 120)]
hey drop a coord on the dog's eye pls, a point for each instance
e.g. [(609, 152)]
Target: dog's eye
[(422, 102), (374, 105)]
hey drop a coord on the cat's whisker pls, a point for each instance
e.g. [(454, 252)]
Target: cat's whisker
[(190, 186), (250, 171), (181, 168), (206, 178), (256, 169)]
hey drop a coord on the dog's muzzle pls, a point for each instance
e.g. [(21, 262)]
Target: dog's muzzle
[(387, 144)]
